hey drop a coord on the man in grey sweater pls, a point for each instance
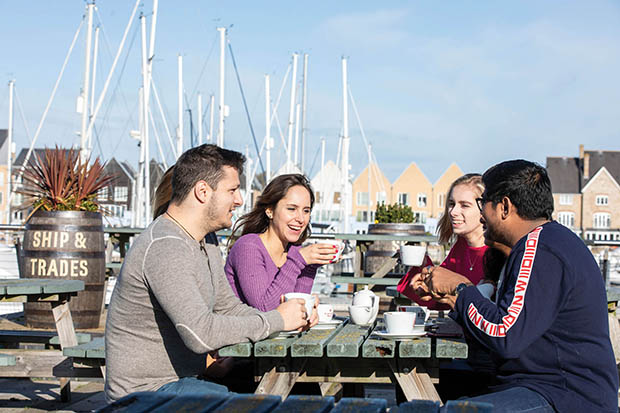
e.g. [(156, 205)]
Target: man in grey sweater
[(172, 303)]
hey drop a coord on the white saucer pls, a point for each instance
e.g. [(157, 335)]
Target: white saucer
[(291, 333), (385, 334), (332, 322)]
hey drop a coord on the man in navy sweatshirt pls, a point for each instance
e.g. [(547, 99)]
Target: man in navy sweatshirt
[(548, 328)]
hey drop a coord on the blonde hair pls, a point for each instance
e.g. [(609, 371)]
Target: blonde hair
[(444, 227)]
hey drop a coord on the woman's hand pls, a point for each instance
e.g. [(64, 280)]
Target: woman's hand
[(318, 253), (418, 285), (314, 318)]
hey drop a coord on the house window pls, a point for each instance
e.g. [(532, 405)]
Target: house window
[(422, 200), (566, 199), (362, 198), (440, 200), (602, 200), (336, 197), (567, 219), (317, 197), (602, 220), (102, 195), (120, 194), (381, 197), (419, 217), (362, 216), (403, 198), (1, 197)]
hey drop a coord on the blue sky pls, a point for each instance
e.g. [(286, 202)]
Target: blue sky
[(471, 82)]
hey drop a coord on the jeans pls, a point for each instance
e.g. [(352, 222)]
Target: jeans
[(514, 400), (192, 385)]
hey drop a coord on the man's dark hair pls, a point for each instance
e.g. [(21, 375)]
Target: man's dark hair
[(204, 163), (525, 183)]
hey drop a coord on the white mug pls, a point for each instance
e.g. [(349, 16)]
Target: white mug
[(308, 299), (326, 312), (412, 255), (399, 322)]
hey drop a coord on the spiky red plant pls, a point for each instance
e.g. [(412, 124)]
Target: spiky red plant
[(61, 181)]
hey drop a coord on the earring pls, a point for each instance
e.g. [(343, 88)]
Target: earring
[(269, 216)]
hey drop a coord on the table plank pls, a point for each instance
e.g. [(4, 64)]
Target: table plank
[(355, 405), (419, 347), (378, 347), (305, 404), (347, 342), (275, 347), (236, 350), (313, 342), (249, 403)]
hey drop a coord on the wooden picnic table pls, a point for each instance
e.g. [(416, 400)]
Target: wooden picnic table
[(42, 363), (350, 353)]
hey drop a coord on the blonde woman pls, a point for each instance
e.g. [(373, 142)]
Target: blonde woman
[(460, 224)]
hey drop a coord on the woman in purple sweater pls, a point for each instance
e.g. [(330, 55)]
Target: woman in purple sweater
[(267, 261)]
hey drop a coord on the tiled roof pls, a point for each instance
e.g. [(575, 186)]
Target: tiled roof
[(564, 174)]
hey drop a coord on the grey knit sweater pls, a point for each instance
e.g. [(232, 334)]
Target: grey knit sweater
[(171, 305)]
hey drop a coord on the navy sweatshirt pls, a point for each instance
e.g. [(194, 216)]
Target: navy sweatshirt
[(549, 329)]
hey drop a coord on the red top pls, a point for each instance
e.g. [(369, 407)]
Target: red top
[(460, 259)]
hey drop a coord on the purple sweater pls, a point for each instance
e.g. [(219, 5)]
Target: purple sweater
[(256, 279)]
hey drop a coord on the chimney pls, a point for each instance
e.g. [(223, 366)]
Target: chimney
[(581, 151), (586, 166)]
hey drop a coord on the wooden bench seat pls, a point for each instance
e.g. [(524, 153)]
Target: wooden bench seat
[(7, 360), (94, 349), (38, 337)]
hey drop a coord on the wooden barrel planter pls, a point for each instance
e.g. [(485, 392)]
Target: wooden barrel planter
[(66, 245), (380, 251)]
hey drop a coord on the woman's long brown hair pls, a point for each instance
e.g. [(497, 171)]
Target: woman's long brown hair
[(256, 221)]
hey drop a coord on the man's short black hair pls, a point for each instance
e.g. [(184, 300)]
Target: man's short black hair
[(525, 183), (204, 163)]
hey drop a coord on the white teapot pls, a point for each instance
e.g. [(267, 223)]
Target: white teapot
[(367, 298)]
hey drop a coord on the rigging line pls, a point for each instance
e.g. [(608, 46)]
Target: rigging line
[(161, 152), (245, 105), (359, 122), (125, 131), (21, 113), (118, 83), (49, 103), (204, 66), (316, 155), (204, 112), (114, 63), (98, 142), (163, 117), (109, 50)]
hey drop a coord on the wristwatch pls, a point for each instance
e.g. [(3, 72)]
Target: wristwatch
[(460, 288)]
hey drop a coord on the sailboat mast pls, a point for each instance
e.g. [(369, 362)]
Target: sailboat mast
[(180, 107), (345, 199), (211, 109), (267, 130), (220, 133), (291, 114), (303, 112), (145, 124), (92, 87), (86, 87), (9, 145), (369, 169), (199, 119)]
